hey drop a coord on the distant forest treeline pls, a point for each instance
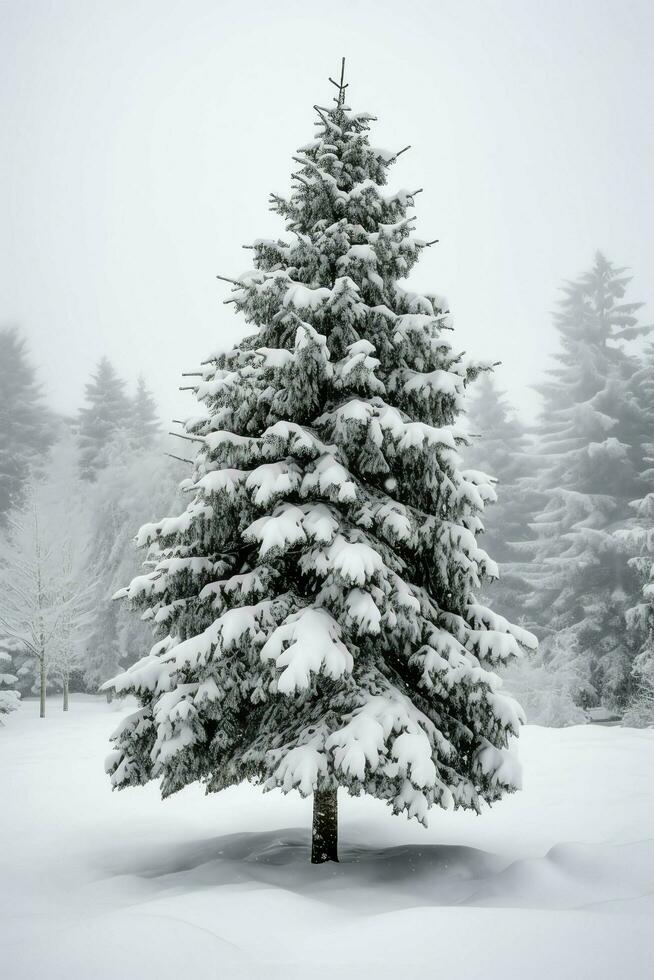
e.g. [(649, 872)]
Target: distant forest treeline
[(73, 493), (572, 531)]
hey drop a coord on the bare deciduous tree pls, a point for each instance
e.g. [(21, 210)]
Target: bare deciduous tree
[(44, 601)]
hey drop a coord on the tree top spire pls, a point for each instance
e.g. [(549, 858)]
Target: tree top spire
[(341, 86)]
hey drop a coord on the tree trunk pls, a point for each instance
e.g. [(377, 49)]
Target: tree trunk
[(42, 686), (110, 696), (65, 694), (324, 835)]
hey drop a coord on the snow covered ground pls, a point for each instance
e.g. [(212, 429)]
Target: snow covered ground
[(556, 882)]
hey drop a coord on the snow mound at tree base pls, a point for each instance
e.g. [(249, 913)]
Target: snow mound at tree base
[(555, 882), (568, 876)]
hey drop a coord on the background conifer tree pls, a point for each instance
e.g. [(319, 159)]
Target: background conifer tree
[(25, 423), (591, 436), (144, 421), (9, 697), (318, 626), (501, 448), (638, 538), (107, 411)]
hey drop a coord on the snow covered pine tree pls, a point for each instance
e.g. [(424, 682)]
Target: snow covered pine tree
[(317, 595)]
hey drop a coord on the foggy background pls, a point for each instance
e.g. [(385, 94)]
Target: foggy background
[(140, 141)]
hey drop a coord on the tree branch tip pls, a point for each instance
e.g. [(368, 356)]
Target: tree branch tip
[(182, 459), (179, 435)]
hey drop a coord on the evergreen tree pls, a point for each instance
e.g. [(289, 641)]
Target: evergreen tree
[(9, 698), (107, 412), (316, 601), (144, 422), (592, 430), (24, 422), (638, 538), (501, 448)]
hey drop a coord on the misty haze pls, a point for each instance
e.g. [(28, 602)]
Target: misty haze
[(326, 490)]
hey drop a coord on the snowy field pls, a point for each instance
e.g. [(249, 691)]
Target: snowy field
[(556, 882)]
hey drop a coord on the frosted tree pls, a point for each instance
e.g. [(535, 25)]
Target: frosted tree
[(315, 603), (110, 532), (144, 422), (73, 594), (9, 698), (137, 483), (24, 422), (107, 411), (501, 448), (29, 612), (103, 654), (591, 439), (638, 539), (44, 607), (44, 588)]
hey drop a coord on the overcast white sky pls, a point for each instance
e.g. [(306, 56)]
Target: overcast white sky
[(140, 141)]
